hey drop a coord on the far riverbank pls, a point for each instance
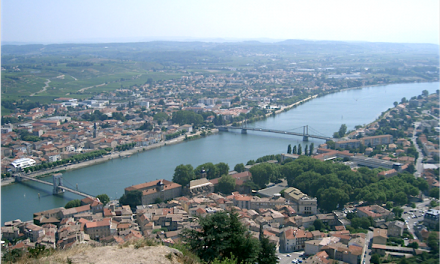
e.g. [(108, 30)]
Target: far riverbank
[(113, 155)]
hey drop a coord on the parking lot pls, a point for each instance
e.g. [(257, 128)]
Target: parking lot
[(285, 258)]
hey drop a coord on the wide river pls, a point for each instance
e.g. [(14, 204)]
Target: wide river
[(323, 115)]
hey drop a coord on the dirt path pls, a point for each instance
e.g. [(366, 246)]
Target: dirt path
[(90, 87), (44, 88)]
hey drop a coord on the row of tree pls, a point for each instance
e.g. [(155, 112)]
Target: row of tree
[(72, 159), (307, 151)]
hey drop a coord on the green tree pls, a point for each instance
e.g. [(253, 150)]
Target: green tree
[(226, 184), (267, 250), (239, 167), (222, 235), (433, 242), (210, 170), (299, 149), (73, 203), (342, 130), (306, 150), (318, 224), (332, 198), (434, 192), (103, 198), (131, 198), (375, 259), (294, 151), (183, 174), (222, 168), (160, 117), (263, 173), (289, 149), (311, 149), (398, 211)]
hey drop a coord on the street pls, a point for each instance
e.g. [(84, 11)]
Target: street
[(284, 259)]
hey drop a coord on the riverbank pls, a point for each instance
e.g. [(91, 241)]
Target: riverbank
[(113, 155)]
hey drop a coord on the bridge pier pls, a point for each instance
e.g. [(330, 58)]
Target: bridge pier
[(57, 182), (305, 138), (224, 129), (244, 131)]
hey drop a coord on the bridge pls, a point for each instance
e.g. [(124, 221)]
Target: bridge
[(57, 184), (305, 133)]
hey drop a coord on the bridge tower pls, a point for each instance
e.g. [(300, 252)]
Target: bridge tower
[(244, 127), (57, 182), (306, 133)]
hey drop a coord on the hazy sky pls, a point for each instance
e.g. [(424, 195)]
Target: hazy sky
[(59, 21)]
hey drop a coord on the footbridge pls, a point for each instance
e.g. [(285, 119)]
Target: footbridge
[(57, 184), (305, 132)]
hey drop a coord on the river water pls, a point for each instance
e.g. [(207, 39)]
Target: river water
[(323, 115)]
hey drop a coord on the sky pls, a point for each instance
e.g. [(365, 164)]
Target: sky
[(68, 21)]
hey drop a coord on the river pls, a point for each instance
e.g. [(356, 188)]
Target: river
[(323, 115)]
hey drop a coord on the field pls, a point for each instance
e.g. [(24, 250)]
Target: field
[(40, 73)]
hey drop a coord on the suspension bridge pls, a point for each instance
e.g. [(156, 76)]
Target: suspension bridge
[(57, 184), (305, 131)]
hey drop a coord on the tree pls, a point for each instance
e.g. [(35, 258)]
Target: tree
[(103, 198), (425, 93), (434, 192), (397, 211), (239, 167), (289, 149), (318, 224), (395, 103), (299, 149), (403, 100), (226, 184), (262, 173), (131, 198), (329, 199), (210, 170), (433, 242), (306, 150), (222, 168), (375, 259), (311, 149), (73, 203), (222, 235), (183, 174), (160, 117), (342, 130), (267, 249), (294, 150)]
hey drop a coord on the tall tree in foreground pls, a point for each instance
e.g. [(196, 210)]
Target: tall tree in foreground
[(294, 150), (222, 235), (267, 250), (289, 149), (311, 149)]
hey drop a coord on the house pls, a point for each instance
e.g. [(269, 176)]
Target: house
[(375, 211), (302, 203), (98, 229), (158, 189), (380, 236), (395, 228)]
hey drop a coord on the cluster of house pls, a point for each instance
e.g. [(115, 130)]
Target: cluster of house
[(286, 220)]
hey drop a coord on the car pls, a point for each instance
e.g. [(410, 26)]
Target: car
[(294, 261), (300, 261)]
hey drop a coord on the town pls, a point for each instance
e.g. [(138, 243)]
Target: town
[(309, 215)]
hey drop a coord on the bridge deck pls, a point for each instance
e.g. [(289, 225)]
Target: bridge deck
[(278, 132), (51, 184)]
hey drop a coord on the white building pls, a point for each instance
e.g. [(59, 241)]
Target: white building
[(20, 164)]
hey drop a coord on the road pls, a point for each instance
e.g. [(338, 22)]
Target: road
[(284, 259), (414, 215), (419, 164)]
